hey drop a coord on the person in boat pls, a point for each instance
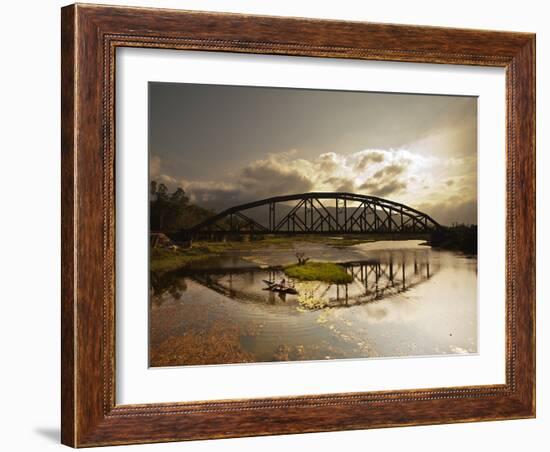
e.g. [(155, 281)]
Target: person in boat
[(282, 284)]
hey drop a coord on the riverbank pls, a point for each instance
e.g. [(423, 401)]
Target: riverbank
[(218, 311), (165, 260), (456, 238)]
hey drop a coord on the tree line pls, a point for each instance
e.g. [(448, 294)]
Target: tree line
[(170, 212), (458, 237)]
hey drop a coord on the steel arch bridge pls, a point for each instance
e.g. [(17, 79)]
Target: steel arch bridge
[(317, 213)]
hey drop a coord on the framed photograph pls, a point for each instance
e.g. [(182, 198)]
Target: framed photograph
[(282, 225)]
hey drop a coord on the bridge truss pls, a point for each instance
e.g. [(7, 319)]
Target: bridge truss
[(317, 213)]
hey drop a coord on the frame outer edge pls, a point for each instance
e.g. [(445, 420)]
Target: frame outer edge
[(525, 62), (534, 226), (68, 230), (86, 419)]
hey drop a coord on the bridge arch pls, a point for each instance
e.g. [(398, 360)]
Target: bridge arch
[(317, 213)]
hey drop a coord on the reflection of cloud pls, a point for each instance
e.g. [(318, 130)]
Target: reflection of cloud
[(397, 311), (377, 313), (458, 350)]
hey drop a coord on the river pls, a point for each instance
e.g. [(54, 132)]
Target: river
[(406, 299)]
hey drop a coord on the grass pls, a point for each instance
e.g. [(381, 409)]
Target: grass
[(319, 271), (256, 243), (164, 260), (261, 241)]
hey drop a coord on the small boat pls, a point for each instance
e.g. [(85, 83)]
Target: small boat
[(275, 287)]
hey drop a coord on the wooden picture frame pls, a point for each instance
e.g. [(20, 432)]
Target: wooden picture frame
[(90, 36)]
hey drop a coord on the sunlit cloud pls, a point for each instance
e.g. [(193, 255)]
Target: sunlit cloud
[(397, 174), (154, 167)]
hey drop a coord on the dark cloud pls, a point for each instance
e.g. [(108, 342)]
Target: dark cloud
[(395, 177), (383, 189), (451, 211), (341, 184), (376, 141), (391, 170), (369, 157), (328, 162), (266, 178), (213, 195), (386, 181), (260, 179)]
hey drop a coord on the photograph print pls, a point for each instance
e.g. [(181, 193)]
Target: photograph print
[(294, 224)]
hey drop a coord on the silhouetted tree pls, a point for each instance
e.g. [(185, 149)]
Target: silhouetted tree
[(169, 212)]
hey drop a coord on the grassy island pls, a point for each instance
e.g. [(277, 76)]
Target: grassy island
[(319, 271)]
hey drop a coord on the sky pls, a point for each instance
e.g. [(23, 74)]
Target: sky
[(226, 145)]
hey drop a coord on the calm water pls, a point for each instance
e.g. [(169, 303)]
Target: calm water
[(405, 300)]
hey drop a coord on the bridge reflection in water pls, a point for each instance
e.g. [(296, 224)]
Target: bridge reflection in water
[(404, 299), (372, 281)]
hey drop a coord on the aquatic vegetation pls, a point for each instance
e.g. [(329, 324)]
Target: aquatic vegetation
[(282, 353), (307, 298), (217, 311), (286, 353), (319, 271), (166, 283), (280, 242), (219, 344), (165, 260), (308, 302), (323, 317)]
